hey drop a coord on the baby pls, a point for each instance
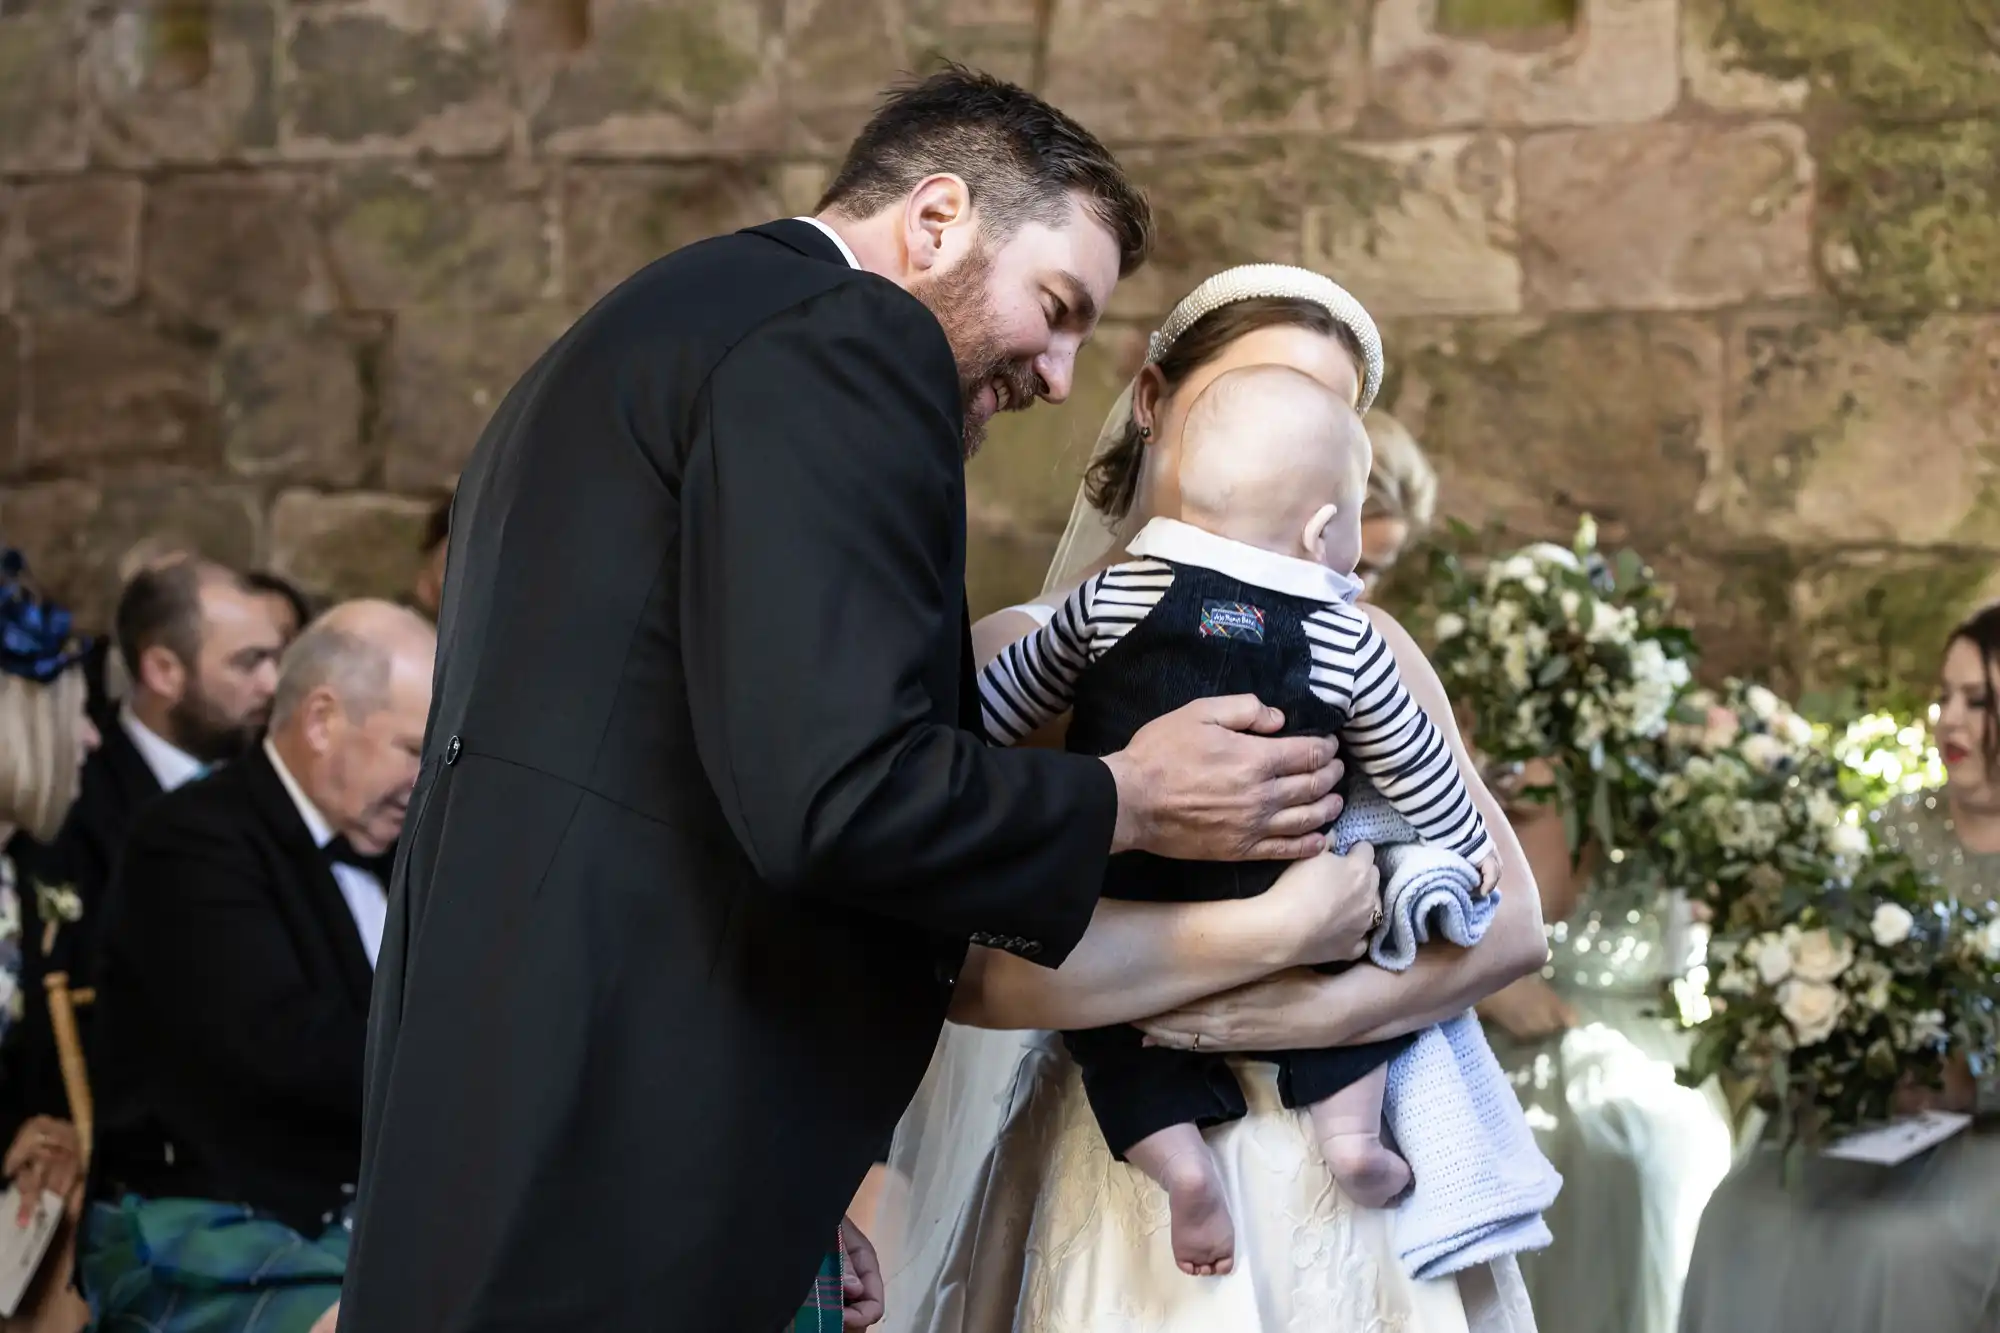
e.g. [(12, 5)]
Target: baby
[(1251, 591)]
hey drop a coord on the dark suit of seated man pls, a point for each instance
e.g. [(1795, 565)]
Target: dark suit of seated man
[(239, 955)]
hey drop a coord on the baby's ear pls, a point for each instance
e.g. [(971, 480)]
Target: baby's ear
[(1314, 536)]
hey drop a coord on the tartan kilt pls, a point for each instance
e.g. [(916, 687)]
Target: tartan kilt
[(821, 1312), (196, 1266)]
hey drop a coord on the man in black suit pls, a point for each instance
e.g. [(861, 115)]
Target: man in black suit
[(701, 837), (239, 951)]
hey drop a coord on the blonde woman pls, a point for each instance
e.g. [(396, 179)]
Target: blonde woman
[(1402, 497), (45, 735)]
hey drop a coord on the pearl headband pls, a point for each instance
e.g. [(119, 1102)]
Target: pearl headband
[(1249, 281)]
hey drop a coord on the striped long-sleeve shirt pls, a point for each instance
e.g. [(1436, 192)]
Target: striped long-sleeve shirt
[(1388, 739)]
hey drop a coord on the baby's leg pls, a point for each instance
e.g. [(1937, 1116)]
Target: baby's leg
[(1178, 1160), (1349, 1125)]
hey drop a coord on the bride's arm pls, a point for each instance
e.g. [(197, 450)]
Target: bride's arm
[(1310, 1009), (1138, 959)]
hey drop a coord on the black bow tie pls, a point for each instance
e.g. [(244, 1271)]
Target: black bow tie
[(342, 852)]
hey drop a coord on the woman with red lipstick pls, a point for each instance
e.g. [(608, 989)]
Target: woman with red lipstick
[(1854, 1248)]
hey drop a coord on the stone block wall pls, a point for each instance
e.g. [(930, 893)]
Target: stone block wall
[(1725, 273)]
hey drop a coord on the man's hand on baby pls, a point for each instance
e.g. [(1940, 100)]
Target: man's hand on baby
[(1209, 782), (1489, 874)]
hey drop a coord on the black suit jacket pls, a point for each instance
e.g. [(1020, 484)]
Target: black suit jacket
[(233, 1003), (699, 839), (116, 784)]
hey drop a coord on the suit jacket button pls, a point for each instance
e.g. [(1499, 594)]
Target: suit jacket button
[(451, 749)]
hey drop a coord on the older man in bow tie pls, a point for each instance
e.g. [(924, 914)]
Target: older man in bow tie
[(239, 960)]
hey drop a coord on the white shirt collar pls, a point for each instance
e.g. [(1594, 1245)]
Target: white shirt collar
[(835, 237), (172, 766), (1171, 539), (322, 832)]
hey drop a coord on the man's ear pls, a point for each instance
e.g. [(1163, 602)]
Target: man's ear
[(938, 203), (162, 672)]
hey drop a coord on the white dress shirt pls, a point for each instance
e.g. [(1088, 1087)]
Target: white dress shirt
[(367, 900), (834, 236), (172, 766)]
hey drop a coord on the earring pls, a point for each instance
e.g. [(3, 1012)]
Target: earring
[(1145, 432)]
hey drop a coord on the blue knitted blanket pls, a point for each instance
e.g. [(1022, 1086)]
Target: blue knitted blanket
[(1479, 1183)]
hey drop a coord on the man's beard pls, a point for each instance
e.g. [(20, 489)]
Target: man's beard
[(204, 731), (959, 299)]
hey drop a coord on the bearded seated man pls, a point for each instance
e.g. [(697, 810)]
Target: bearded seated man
[(239, 951)]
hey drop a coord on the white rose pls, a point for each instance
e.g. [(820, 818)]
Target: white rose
[(1812, 1008), (1847, 840), (1449, 626), (1762, 702), (1605, 624), (1766, 752), (1891, 925), (1989, 940), (1772, 958), (1817, 956)]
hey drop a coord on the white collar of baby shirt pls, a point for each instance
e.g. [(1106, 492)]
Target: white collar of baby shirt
[(1185, 544)]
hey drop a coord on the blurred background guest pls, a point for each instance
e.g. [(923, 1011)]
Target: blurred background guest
[(427, 591), (240, 944), (289, 608), (104, 667), (46, 734), (1852, 1247), (1402, 498)]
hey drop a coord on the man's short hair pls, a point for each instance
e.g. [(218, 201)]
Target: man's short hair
[(161, 607), (271, 585), (1020, 157), (355, 667)]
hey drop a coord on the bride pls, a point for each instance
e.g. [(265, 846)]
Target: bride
[(1005, 1211)]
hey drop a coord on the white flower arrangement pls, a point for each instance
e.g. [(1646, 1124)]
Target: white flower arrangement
[(1559, 654), (1824, 1002), (1748, 802)]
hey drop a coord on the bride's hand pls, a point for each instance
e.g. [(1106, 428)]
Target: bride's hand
[(1324, 907), (1271, 1014)]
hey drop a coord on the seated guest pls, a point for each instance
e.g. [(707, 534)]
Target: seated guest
[(289, 608), (427, 594), (201, 656), (239, 949), (45, 734)]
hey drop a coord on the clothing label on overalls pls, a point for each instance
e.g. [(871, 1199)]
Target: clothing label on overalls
[(1232, 620)]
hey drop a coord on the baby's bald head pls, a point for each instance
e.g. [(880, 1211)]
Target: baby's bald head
[(1263, 451)]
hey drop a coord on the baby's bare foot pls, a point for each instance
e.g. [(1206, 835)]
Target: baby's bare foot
[(1369, 1173), (1204, 1238)]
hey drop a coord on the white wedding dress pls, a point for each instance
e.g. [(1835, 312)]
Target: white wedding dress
[(1007, 1214)]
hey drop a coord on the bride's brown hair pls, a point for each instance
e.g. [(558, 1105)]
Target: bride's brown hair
[(1112, 479)]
